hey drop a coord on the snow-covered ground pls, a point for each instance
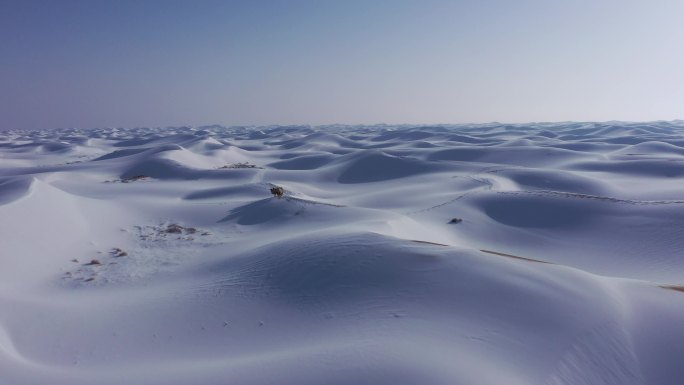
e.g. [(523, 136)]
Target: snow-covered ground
[(548, 254)]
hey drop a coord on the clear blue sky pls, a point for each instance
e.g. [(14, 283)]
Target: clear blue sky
[(157, 63)]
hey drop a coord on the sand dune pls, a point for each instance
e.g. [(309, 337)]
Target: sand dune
[(397, 255)]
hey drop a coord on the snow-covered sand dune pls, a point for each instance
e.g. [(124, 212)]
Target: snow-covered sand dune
[(541, 254)]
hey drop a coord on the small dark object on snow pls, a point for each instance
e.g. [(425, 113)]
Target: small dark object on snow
[(89, 279), (117, 252), (174, 229), (134, 178), (456, 220), (240, 165), (277, 191), (190, 230), (94, 262)]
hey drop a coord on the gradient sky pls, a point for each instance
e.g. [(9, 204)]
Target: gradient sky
[(158, 63)]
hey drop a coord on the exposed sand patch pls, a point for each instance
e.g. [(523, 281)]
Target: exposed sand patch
[(673, 287), (429, 243), (513, 256)]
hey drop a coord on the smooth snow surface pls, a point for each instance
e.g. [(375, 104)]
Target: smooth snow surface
[(540, 254)]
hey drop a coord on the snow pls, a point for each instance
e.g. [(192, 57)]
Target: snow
[(159, 256)]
